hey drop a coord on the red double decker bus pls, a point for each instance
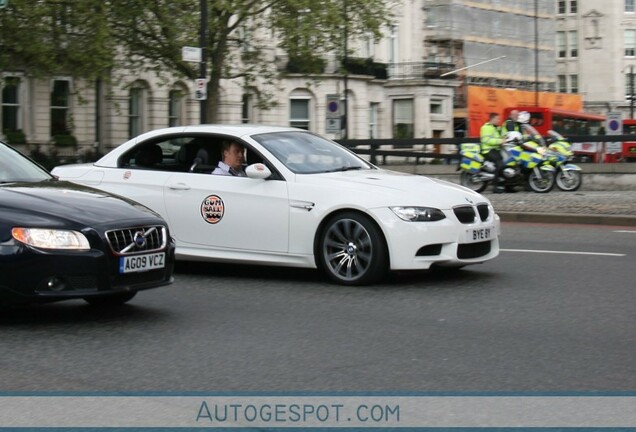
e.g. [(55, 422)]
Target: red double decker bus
[(629, 147), (567, 123)]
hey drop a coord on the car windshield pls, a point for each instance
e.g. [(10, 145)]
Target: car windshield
[(16, 168), (306, 153)]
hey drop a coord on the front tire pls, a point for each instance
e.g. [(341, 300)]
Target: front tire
[(351, 250), (540, 185), (569, 181), (467, 180), (110, 300)]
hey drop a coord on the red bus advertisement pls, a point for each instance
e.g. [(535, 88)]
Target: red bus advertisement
[(629, 147), (567, 123)]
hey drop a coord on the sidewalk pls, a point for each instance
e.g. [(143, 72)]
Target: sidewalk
[(584, 207)]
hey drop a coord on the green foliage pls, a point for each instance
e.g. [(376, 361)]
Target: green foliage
[(65, 140), (15, 137), (362, 66), (49, 37)]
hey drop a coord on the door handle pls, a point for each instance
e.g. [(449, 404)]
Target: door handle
[(179, 186)]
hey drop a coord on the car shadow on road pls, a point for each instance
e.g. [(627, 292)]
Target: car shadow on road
[(439, 277), (77, 312)]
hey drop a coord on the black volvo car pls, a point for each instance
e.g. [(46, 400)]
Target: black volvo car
[(59, 240)]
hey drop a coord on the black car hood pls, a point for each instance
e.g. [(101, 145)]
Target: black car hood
[(47, 202)]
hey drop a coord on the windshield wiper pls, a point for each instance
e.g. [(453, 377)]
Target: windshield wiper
[(345, 168)]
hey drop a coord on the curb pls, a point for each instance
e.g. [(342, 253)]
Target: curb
[(567, 218)]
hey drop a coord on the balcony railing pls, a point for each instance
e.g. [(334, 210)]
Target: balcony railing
[(419, 70)]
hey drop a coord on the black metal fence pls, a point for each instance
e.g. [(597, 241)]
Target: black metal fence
[(419, 148)]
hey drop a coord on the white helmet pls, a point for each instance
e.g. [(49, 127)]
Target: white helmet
[(523, 117)]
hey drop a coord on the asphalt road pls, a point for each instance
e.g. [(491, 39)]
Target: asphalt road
[(526, 321)]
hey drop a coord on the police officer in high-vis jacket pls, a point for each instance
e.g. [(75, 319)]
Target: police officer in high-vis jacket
[(512, 123), (491, 141)]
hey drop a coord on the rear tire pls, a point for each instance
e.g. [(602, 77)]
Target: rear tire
[(110, 300), (466, 180), (571, 182), (352, 250)]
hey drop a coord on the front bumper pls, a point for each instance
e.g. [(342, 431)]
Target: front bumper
[(32, 275), (448, 242)]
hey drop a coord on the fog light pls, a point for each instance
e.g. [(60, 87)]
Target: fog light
[(56, 284)]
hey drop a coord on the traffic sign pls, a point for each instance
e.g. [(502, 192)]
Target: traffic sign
[(614, 123), (200, 89), (3, 3), (332, 120), (189, 54)]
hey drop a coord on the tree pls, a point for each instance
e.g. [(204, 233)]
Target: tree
[(55, 37), (240, 35)]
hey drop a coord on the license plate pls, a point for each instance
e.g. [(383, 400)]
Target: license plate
[(480, 234), (139, 263)]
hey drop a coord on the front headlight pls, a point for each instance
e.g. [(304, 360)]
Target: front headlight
[(418, 214), (51, 238)]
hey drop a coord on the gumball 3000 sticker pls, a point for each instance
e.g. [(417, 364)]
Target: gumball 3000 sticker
[(212, 209)]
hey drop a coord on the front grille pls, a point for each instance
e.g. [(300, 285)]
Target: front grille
[(473, 250), (465, 214), (138, 239), (483, 211)]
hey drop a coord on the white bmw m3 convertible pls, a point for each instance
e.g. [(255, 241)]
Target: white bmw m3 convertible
[(304, 201)]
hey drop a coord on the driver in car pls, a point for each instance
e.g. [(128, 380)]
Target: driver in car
[(233, 158)]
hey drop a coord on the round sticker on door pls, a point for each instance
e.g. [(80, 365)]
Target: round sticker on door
[(212, 209)]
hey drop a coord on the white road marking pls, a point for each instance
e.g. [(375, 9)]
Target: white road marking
[(626, 231), (563, 252)]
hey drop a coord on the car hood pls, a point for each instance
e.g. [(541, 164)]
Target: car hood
[(399, 188), (44, 203)]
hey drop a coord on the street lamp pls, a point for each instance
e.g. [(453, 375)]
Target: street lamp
[(345, 61), (203, 4)]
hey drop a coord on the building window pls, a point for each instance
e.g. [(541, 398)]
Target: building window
[(10, 100), (403, 126), (630, 43), (573, 7), (436, 107), (135, 111), (574, 44), (574, 83), (431, 17), (299, 113), (374, 108), (393, 45), (175, 108), (561, 44), (368, 46), (561, 5), (629, 6), (60, 107), (563, 84), (247, 108), (630, 84)]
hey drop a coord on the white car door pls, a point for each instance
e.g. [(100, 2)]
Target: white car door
[(228, 212), (143, 186)]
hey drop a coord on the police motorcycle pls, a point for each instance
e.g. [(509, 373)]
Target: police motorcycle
[(524, 163), (568, 175)]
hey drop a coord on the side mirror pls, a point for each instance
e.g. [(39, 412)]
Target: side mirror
[(258, 171)]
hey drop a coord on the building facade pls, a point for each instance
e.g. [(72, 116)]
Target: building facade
[(596, 53), (402, 98)]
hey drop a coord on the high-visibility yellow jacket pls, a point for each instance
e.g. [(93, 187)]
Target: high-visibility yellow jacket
[(490, 137)]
